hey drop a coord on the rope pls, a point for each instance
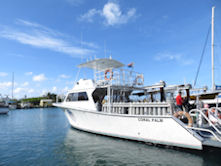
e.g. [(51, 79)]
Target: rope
[(201, 58)]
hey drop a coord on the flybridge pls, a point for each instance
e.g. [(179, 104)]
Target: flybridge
[(108, 71)]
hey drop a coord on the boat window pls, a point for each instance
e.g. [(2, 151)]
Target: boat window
[(81, 96)]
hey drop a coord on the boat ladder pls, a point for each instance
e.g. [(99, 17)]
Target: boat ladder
[(205, 127)]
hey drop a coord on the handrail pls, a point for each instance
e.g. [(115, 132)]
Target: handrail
[(207, 130), (142, 108), (209, 121), (216, 113)]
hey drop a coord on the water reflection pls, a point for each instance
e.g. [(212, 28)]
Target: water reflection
[(44, 137), (89, 149)]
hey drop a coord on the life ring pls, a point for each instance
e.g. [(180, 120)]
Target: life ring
[(187, 115), (111, 75), (103, 101), (139, 77)]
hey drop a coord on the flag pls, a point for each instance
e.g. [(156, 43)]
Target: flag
[(130, 64)]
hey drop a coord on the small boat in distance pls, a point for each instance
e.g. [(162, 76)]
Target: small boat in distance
[(4, 111), (116, 103), (12, 105)]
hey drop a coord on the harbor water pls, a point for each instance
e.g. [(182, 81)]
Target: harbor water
[(44, 137)]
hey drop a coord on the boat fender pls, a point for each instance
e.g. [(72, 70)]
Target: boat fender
[(110, 76), (187, 115)]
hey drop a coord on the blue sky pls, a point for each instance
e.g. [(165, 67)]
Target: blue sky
[(43, 41)]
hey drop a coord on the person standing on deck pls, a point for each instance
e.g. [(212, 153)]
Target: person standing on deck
[(179, 101)]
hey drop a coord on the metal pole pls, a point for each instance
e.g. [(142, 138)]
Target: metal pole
[(109, 98), (12, 83), (212, 47)]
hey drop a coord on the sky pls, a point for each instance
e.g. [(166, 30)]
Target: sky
[(43, 41)]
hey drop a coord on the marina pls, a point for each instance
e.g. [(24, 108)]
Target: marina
[(105, 105), (54, 142), (110, 83)]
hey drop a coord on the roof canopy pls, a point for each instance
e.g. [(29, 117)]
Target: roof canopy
[(102, 64)]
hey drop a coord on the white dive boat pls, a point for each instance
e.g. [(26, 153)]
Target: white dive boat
[(106, 105)]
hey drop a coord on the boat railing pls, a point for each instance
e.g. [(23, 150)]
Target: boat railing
[(119, 77), (139, 108), (215, 112), (200, 115)]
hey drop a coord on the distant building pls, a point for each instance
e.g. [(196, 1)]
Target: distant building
[(46, 103)]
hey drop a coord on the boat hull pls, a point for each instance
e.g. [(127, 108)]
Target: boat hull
[(4, 112), (158, 130)]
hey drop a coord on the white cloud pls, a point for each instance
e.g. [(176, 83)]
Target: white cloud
[(31, 90), (38, 78), (44, 92), (54, 89), (4, 85), (28, 73), (89, 15), (75, 2), (64, 76), (89, 44), (42, 37), (168, 56), (165, 17), (27, 23), (112, 14), (18, 55), (65, 89), (42, 41), (25, 84), (18, 90), (38, 27), (3, 74), (69, 82), (177, 57)]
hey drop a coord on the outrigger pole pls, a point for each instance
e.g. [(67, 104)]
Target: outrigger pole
[(212, 47)]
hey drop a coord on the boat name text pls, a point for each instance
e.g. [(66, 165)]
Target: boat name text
[(150, 119)]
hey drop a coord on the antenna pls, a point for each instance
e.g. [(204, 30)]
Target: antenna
[(212, 47), (81, 46), (104, 48)]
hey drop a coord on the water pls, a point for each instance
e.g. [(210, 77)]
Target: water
[(44, 137)]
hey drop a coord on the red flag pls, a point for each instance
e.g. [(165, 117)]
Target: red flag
[(130, 64)]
